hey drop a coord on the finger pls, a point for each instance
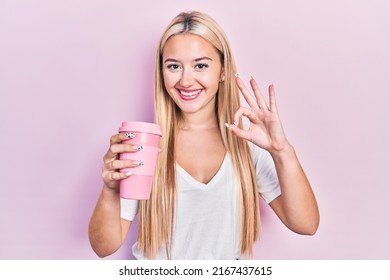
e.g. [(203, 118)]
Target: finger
[(120, 164), (272, 99), (259, 96), (250, 99), (116, 149), (125, 148), (245, 134), (114, 176), (118, 138), (243, 111)]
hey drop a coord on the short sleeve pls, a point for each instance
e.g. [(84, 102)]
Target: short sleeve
[(267, 178), (129, 209)]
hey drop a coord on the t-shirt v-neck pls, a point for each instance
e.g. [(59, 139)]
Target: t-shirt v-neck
[(205, 215), (188, 177)]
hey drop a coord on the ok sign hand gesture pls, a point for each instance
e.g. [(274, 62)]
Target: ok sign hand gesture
[(265, 129)]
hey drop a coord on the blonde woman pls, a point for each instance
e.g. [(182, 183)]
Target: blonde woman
[(210, 171)]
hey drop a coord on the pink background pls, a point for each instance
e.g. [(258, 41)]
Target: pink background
[(71, 71)]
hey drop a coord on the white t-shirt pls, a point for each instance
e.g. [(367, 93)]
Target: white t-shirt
[(207, 223)]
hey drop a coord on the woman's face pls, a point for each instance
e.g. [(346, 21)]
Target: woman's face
[(192, 71)]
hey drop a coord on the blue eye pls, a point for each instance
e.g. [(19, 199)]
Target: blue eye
[(201, 66)]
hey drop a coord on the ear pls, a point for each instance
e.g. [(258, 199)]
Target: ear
[(222, 76)]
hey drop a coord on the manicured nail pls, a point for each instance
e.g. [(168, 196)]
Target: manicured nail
[(236, 75), (130, 135), (139, 148), (227, 125), (234, 124), (252, 78), (139, 162), (127, 174)]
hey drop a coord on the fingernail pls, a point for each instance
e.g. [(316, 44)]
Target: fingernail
[(139, 162), (130, 135), (227, 125), (252, 78), (139, 148), (234, 124), (127, 174), (236, 75)]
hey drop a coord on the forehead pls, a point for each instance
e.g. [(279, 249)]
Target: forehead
[(188, 46)]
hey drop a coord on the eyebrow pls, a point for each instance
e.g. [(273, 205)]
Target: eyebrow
[(196, 59)]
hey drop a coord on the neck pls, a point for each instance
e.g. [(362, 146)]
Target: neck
[(199, 120)]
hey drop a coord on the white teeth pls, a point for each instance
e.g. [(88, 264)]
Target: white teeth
[(192, 93)]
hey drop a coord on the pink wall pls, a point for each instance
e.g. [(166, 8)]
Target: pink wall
[(71, 71)]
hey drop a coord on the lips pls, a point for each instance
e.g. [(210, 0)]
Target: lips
[(189, 94)]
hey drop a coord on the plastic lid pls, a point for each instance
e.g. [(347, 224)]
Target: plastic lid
[(146, 127)]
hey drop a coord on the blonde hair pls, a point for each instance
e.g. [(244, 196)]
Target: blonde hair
[(156, 214)]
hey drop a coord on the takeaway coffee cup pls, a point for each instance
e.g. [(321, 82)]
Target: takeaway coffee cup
[(139, 184)]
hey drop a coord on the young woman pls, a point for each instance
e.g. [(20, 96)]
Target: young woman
[(210, 171)]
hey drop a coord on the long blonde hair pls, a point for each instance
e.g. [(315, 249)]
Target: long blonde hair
[(156, 214)]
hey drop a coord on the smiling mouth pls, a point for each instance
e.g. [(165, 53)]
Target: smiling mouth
[(189, 94)]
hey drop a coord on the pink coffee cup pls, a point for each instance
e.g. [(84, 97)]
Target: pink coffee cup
[(139, 184)]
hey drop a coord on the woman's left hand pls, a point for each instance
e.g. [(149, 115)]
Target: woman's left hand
[(265, 129)]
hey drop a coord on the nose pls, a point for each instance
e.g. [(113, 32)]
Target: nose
[(187, 78)]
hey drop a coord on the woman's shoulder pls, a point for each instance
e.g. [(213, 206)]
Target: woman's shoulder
[(267, 178), (258, 154)]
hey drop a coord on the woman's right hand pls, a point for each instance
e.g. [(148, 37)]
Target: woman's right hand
[(112, 164)]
